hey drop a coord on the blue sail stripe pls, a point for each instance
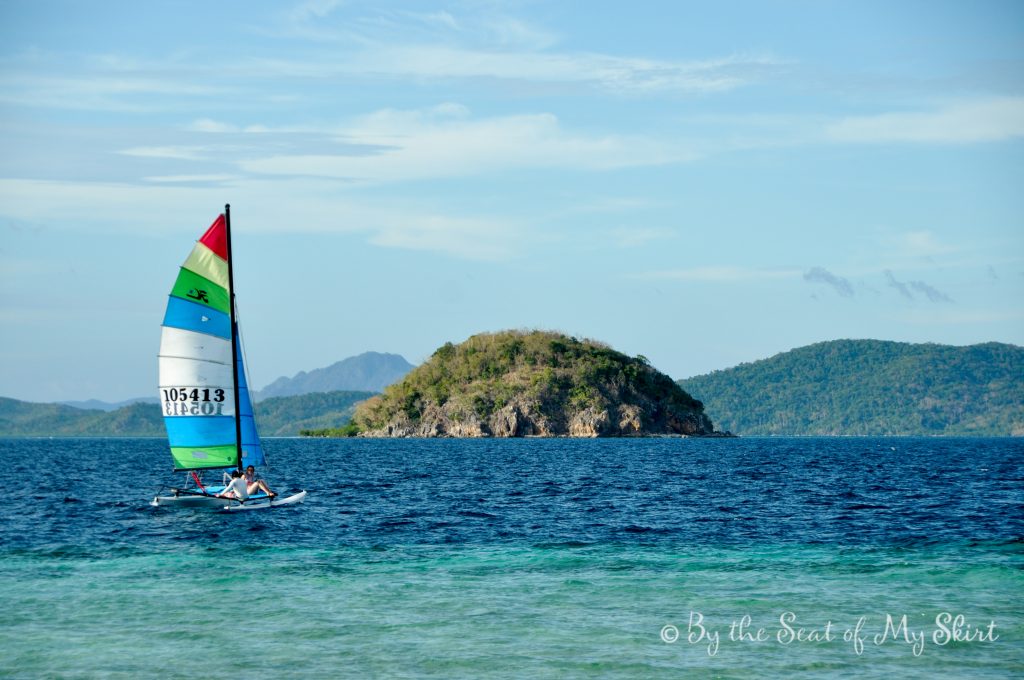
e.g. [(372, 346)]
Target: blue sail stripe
[(244, 403), (251, 442), (191, 316), (248, 427), (200, 430), (253, 456), (252, 451), (241, 374)]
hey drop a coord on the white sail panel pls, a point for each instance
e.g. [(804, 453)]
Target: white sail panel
[(176, 372), (182, 344)]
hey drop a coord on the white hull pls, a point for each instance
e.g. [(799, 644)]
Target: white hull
[(190, 501), (201, 501), (260, 503)]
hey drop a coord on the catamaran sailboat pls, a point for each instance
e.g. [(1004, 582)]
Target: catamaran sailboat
[(204, 392)]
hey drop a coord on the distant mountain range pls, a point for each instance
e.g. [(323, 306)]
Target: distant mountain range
[(841, 387), (870, 387), (369, 372), (320, 399), (97, 405)]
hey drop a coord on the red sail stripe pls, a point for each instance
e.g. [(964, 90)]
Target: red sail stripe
[(216, 237)]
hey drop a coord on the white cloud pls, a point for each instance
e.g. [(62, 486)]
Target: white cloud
[(442, 19), (214, 126), (218, 179), (472, 239), (313, 9), (510, 31), (277, 206), (110, 206), (128, 87), (921, 243), (988, 120), (443, 142), (608, 72), (486, 28), (487, 44), (379, 43), (208, 125), (188, 153), (631, 237)]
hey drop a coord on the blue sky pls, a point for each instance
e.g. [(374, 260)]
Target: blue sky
[(701, 185)]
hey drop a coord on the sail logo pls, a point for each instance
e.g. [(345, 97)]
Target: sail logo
[(198, 295)]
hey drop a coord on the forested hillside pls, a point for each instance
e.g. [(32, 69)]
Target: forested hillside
[(27, 419), (288, 416), (870, 387)]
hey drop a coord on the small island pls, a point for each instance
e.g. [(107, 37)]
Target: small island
[(531, 384)]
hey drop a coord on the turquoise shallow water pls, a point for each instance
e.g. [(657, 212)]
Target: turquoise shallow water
[(504, 611), (421, 572)]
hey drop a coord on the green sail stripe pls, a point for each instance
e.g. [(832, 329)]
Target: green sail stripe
[(192, 286), (208, 264), (195, 457)]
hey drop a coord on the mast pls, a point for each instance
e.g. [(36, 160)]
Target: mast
[(234, 340)]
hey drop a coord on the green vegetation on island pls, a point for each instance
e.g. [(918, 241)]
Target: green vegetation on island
[(871, 387), (280, 417), (518, 383), (292, 416), (547, 384), (349, 430), (27, 419)]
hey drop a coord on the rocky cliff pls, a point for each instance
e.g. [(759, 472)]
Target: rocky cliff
[(517, 384)]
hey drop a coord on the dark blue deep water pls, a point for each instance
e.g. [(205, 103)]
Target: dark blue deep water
[(540, 557)]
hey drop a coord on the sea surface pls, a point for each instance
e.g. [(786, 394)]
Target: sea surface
[(539, 558)]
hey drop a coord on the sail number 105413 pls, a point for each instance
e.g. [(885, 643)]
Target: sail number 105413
[(195, 394), (198, 401)]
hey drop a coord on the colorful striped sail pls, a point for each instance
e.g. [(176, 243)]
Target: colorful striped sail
[(197, 383)]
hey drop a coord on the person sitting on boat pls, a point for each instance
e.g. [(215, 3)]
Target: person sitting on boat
[(254, 483), (236, 488)]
